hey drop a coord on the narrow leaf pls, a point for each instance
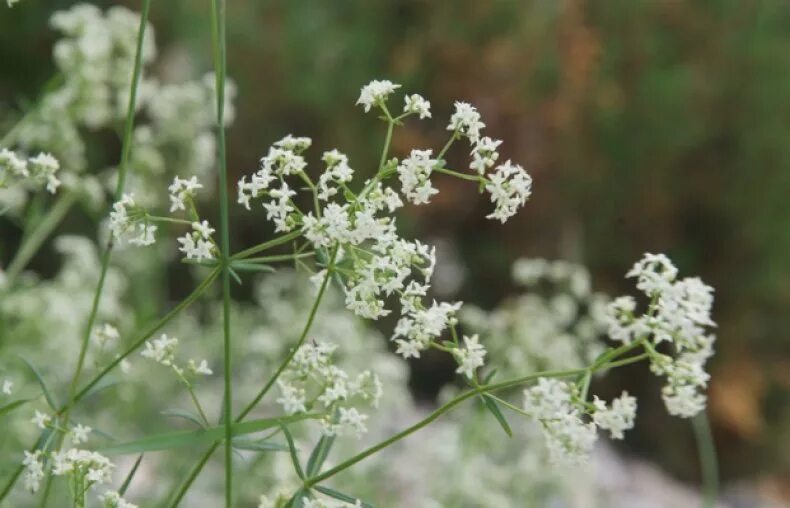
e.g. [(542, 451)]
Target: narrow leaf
[(494, 409), (341, 496), (259, 446), (186, 415), (47, 394), (243, 266), (101, 386), (292, 449), (191, 438), (13, 405), (319, 455), (489, 377), (128, 480)]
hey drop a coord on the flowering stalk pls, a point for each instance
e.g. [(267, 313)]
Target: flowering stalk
[(126, 150)]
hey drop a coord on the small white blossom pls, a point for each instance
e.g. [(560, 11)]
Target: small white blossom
[(34, 470), (484, 154), (8, 386), (105, 334), (180, 190), (113, 499), (510, 186), (466, 121), (79, 433), (618, 418), (199, 368), (41, 420), (415, 103), (161, 350), (470, 357), (375, 93), (415, 176)]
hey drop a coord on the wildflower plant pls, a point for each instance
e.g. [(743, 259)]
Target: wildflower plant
[(343, 232)]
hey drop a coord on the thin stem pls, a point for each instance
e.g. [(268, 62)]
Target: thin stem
[(183, 304), (708, 462), (44, 228), (280, 240), (126, 150), (262, 393), (220, 67), (463, 176), (281, 257), (430, 418)]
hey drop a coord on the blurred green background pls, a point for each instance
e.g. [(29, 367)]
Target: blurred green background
[(647, 126)]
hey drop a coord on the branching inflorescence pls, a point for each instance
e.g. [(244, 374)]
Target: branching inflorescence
[(344, 232)]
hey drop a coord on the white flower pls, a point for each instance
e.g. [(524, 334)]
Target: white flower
[(375, 93), (145, 235), (113, 499), (96, 468), (8, 386), (199, 368), (510, 186), (294, 144), (34, 470), (683, 400), (180, 190), (41, 420), (43, 167), (197, 245), (471, 357), (415, 176), (293, 399), (79, 433), (161, 350), (568, 438), (104, 334), (484, 154), (415, 103), (466, 121), (352, 422), (618, 418)]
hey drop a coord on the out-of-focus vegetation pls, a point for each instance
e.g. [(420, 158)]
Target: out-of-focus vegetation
[(647, 125)]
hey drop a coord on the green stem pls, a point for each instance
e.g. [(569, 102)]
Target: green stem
[(281, 257), (433, 416), (262, 393), (463, 176), (220, 68), (44, 228), (126, 150), (708, 462), (186, 302), (280, 240)]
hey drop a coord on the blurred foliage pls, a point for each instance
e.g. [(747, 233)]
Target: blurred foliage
[(647, 125)]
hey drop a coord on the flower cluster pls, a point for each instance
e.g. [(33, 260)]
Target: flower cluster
[(130, 223), (113, 499), (163, 352), (313, 382), (559, 409), (198, 244), (679, 314), (85, 468), (356, 233), (35, 171)]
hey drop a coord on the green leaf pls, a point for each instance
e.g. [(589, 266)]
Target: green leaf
[(13, 405), (244, 266), (259, 446), (319, 455), (186, 415), (234, 275), (297, 501), (128, 480), (191, 438), (339, 495), (292, 449), (47, 393), (494, 409)]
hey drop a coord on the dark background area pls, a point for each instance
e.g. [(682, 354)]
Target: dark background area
[(646, 125)]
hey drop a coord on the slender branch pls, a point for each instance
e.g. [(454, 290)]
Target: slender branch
[(220, 67), (280, 240), (706, 449), (126, 150), (262, 393)]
